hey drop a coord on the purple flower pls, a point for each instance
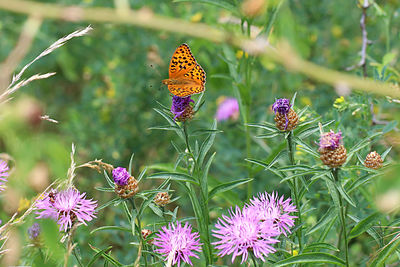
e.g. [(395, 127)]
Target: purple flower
[(179, 105), (34, 231), (177, 242), (242, 232), (330, 140), (121, 176), (3, 173), (277, 211), (282, 106), (66, 207), (228, 108)]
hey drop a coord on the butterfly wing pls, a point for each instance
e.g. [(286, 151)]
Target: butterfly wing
[(182, 62), (195, 80)]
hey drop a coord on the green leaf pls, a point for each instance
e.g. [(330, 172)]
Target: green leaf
[(204, 177), (176, 176), (268, 136), (321, 245), (142, 173), (362, 180), (206, 145), (51, 239), (110, 227), (171, 122), (104, 189), (345, 195), (265, 126), (130, 164), (311, 130), (364, 225), (227, 186), (305, 147), (113, 201), (328, 216), (386, 252), (360, 145), (311, 257), (133, 222), (106, 256), (384, 154), (109, 181), (98, 255), (156, 210)]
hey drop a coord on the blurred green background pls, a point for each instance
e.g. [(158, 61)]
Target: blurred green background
[(108, 83)]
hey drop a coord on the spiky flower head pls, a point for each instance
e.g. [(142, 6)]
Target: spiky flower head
[(227, 109), (177, 242), (3, 173), (270, 207), (282, 106), (242, 232), (66, 207), (120, 176), (330, 140), (34, 231), (180, 105), (162, 198)]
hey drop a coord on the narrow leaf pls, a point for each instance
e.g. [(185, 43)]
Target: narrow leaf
[(311, 257), (227, 186)]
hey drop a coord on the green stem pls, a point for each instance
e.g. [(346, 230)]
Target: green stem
[(295, 189), (253, 258), (342, 215), (139, 229)]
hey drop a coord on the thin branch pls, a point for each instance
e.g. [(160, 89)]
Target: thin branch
[(145, 18), (363, 21)]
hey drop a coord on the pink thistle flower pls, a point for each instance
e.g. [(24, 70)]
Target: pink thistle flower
[(242, 232), (228, 108), (3, 174), (66, 207), (177, 242), (330, 140), (277, 211)]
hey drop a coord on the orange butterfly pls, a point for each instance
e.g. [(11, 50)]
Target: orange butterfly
[(186, 76)]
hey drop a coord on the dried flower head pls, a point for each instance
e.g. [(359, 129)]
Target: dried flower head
[(3, 173), (146, 233), (270, 208), (181, 108), (177, 242), (228, 109), (34, 231), (242, 232), (162, 198), (120, 176), (330, 140), (128, 190), (66, 207), (373, 160)]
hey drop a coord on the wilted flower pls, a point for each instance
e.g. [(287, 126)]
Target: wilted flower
[(177, 242), (181, 108), (270, 208), (34, 231), (286, 119), (120, 176), (228, 108), (66, 207), (330, 140), (3, 173), (243, 232)]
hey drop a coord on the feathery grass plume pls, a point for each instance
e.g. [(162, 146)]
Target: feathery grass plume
[(4, 173), (177, 243), (14, 86)]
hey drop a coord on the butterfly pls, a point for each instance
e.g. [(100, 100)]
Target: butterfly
[(186, 76)]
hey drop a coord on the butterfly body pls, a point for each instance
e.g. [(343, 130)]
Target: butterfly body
[(186, 76)]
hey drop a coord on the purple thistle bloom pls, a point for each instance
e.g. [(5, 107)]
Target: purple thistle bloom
[(282, 106), (242, 232), (228, 108), (330, 140), (177, 242), (3, 173), (65, 207), (121, 176), (34, 231), (277, 211), (179, 105)]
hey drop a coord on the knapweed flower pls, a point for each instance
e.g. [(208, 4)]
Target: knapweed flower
[(332, 152), (34, 231), (120, 176), (66, 207), (286, 119), (277, 211), (181, 108), (228, 108), (242, 232), (177, 242), (3, 173), (330, 140), (162, 198)]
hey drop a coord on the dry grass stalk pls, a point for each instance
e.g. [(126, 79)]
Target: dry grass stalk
[(97, 165), (47, 118)]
